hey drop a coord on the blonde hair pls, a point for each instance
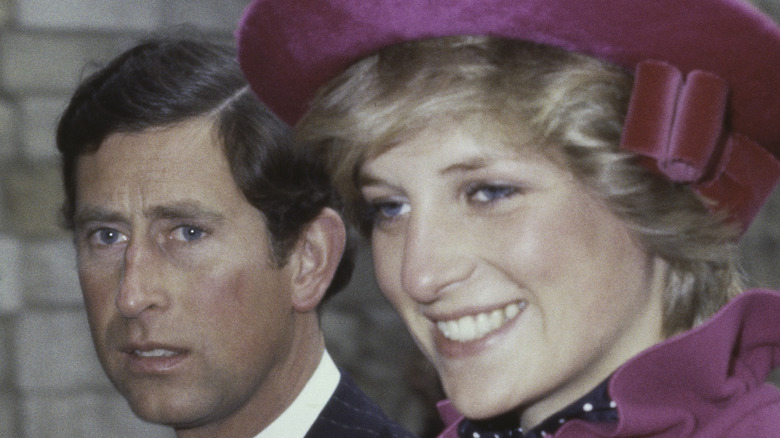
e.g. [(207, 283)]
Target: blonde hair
[(567, 104)]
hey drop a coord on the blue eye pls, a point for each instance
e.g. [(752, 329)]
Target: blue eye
[(387, 210), (187, 233), (107, 236), (485, 193)]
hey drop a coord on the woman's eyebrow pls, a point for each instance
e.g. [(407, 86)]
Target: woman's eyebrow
[(367, 179), (467, 165)]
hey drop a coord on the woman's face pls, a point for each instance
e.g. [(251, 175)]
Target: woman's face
[(523, 290)]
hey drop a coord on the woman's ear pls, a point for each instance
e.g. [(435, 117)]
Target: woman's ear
[(317, 255)]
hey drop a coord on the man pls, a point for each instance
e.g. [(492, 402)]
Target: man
[(205, 244)]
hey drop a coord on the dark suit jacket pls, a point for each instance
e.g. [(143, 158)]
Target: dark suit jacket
[(351, 414)]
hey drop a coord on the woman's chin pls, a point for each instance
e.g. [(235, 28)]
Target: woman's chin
[(480, 405)]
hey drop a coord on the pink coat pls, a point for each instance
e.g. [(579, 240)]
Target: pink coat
[(708, 382)]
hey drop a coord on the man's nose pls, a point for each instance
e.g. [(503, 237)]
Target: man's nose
[(142, 288)]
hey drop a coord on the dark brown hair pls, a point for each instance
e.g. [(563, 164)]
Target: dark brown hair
[(167, 81)]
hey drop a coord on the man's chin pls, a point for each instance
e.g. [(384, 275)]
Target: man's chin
[(165, 409)]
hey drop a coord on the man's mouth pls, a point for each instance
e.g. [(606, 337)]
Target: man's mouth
[(472, 327), (157, 352)]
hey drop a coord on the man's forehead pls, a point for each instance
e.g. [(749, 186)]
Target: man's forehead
[(178, 171)]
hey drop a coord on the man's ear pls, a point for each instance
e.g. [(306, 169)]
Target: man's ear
[(317, 255)]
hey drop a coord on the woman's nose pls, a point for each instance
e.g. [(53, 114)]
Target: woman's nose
[(435, 257)]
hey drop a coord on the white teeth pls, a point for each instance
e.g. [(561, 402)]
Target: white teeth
[(469, 328), (159, 352)]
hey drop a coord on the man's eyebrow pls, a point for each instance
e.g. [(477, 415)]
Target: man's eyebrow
[(84, 215), (180, 210), (183, 210)]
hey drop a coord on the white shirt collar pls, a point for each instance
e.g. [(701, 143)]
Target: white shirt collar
[(298, 418)]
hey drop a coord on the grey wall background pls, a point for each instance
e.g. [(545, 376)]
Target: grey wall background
[(50, 381)]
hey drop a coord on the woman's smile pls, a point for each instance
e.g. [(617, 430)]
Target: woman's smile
[(472, 327)]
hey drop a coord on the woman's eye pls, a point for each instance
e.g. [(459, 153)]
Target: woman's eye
[(387, 210), (485, 193), (107, 236), (187, 233)]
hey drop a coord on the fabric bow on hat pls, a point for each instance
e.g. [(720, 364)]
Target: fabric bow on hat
[(679, 125)]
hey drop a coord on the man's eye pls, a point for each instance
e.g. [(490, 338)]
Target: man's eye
[(485, 193), (107, 236), (188, 233)]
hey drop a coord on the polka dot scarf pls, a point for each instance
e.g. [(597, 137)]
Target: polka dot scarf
[(596, 407)]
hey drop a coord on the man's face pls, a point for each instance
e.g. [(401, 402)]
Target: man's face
[(191, 319)]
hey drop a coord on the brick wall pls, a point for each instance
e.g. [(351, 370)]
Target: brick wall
[(50, 381)]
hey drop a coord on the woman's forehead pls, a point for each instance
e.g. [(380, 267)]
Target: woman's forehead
[(491, 134), (456, 148)]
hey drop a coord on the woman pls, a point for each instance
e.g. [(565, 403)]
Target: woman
[(554, 208)]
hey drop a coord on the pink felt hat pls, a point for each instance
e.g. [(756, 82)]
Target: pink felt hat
[(705, 109)]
